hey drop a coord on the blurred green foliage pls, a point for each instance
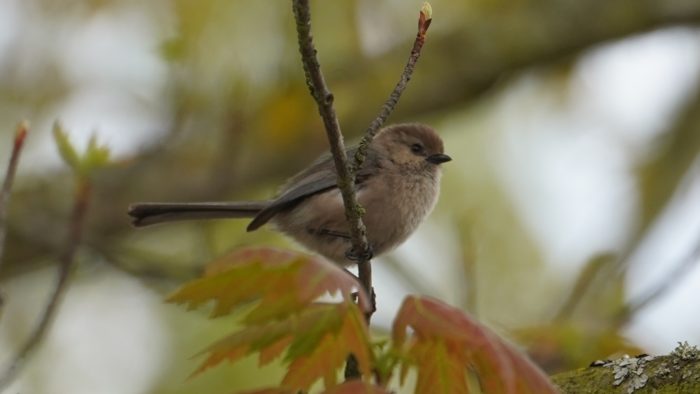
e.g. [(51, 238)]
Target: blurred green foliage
[(234, 119)]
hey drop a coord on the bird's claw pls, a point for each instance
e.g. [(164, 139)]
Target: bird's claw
[(366, 255)]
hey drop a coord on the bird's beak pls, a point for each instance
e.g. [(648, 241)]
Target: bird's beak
[(438, 158)]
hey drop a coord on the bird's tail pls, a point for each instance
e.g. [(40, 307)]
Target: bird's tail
[(147, 213)]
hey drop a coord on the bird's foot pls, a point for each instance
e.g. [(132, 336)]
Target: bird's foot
[(366, 255)]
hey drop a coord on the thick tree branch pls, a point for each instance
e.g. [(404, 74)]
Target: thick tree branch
[(674, 373)]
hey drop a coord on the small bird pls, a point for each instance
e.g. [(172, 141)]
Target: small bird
[(398, 185)]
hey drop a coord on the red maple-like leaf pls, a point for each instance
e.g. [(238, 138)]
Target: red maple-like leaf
[(318, 341), (445, 345), (284, 288), (331, 353), (282, 283)]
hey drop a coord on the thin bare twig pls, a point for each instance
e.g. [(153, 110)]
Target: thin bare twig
[(364, 269), (20, 136), (660, 180), (583, 282), (425, 17), (67, 258), (664, 285)]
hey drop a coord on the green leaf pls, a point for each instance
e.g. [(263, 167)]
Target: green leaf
[(280, 291), (95, 157), (280, 282), (65, 148), (330, 354), (336, 331)]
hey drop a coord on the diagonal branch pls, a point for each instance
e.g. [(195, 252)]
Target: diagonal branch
[(20, 136), (424, 19), (67, 258), (661, 288)]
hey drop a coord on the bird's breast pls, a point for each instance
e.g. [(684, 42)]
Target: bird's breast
[(396, 205)]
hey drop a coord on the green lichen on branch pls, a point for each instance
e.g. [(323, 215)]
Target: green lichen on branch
[(686, 352), (678, 372)]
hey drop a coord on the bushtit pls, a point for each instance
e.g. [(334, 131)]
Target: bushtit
[(398, 186)]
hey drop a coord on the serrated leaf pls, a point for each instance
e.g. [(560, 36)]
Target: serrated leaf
[(262, 337), (268, 354), (440, 372), (445, 343), (304, 344), (332, 346), (280, 282), (331, 353), (281, 290)]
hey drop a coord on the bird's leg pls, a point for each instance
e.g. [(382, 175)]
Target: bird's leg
[(351, 254), (330, 233)]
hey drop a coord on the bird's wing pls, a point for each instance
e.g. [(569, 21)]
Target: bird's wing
[(317, 178)]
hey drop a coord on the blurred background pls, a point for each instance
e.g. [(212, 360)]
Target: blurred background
[(568, 222)]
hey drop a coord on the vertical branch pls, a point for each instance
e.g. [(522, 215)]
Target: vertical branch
[(67, 258), (346, 174), (20, 136), (346, 178)]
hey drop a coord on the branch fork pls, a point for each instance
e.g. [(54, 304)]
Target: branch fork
[(324, 100)]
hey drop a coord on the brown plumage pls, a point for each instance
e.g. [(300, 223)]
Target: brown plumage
[(397, 185)]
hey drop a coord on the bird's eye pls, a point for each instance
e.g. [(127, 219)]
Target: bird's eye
[(417, 148)]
